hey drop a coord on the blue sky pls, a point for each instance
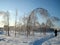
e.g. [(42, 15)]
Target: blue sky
[(26, 6)]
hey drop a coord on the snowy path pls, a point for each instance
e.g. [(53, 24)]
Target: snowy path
[(42, 40)]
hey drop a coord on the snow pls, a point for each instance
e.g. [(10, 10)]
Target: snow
[(40, 41), (53, 41), (22, 39)]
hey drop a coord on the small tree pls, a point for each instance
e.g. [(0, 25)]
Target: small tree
[(43, 26)]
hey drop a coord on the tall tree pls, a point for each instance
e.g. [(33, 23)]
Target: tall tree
[(6, 21), (16, 21)]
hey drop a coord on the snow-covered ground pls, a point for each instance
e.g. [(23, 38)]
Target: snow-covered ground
[(53, 41), (22, 39)]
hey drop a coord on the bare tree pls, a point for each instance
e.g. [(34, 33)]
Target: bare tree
[(32, 17), (49, 23), (6, 21), (31, 23), (16, 21)]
